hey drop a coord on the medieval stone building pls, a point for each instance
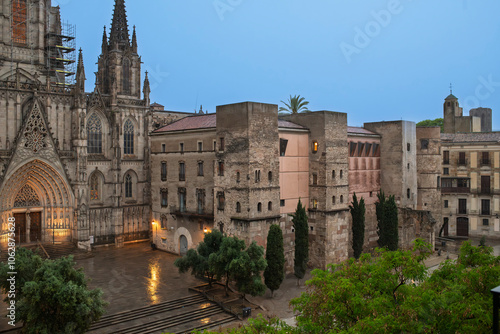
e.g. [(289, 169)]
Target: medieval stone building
[(73, 165)]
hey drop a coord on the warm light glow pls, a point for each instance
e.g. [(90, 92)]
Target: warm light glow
[(154, 282), (153, 222), (315, 146), (205, 230)]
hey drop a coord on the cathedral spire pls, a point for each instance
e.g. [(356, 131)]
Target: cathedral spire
[(80, 74), (119, 37), (134, 42), (104, 41), (146, 90)]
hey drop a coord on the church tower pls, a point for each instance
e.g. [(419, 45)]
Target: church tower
[(119, 65)]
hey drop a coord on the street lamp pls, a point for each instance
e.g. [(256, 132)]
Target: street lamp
[(496, 306)]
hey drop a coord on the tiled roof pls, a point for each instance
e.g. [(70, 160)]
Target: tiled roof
[(209, 121), (289, 125), (360, 131), (190, 123), (471, 137)]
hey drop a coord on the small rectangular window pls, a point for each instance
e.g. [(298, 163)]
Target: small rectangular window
[(446, 157), (315, 179), (446, 171), (215, 145), (163, 148), (220, 200), (164, 171), (221, 148), (446, 203), (221, 168), (424, 144), (200, 168), (181, 147), (282, 202), (182, 171), (200, 146), (182, 199), (283, 145), (486, 222), (164, 198)]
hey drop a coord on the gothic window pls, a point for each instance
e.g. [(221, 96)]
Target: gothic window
[(95, 194), (128, 186), (126, 76), (164, 197), (259, 207), (238, 207), (26, 197), (19, 21), (128, 137), (36, 132), (163, 221), (94, 134)]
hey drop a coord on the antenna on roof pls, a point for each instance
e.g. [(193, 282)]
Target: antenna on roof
[(451, 88)]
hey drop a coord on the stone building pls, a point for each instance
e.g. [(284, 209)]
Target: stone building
[(73, 165)]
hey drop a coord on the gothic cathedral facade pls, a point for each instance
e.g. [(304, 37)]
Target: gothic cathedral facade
[(74, 166)]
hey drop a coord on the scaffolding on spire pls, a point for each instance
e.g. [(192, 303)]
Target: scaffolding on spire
[(61, 55)]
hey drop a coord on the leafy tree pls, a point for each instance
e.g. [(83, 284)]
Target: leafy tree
[(295, 104), (432, 122), (358, 225), (301, 241), (391, 292), (247, 269), (52, 296), (198, 260), (387, 219), (275, 257), (220, 263)]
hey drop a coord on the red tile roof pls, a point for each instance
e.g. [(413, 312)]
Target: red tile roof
[(289, 125), (471, 137), (190, 123), (359, 130)]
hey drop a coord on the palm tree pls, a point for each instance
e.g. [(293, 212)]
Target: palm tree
[(296, 104)]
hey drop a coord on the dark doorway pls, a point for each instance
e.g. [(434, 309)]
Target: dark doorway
[(20, 227), (183, 245), (35, 226), (445, 227), (462, 227)]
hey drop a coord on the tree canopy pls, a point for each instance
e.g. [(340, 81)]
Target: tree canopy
[(294, 105), (301, 227), (275, 257), (432, 122), (358, 225), (51, 295), (387, 221)]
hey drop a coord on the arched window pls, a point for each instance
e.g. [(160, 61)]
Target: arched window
[(94, 134), (259, 207), (95, 193), (341, 198), (126, 76), (128, 186), (334, 201), (237, 176), (341, 173), (238, 207), (128, 137), (19, 21), (333, 174), (270, 206), (270, 176)]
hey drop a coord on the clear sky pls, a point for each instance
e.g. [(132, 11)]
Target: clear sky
[(375, 60)]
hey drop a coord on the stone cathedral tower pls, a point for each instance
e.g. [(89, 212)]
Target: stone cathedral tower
[(73, 165)]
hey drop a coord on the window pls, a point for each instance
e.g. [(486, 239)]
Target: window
[(446, 157), (19, 20), (446, 171), (485, 207), (181, 147), (259, 207), (94, 134), (461, 158), (128, 137), (361, 149), (408, 193), (163, 222), (221, 140), (315, 204), (485, 159), (368, 149), (352, 149), (341, 174), (485, 184), (221, 168), (445, 203), (371, 193), (164, 198), (486, 222), (439, 182), (220, 200), (462, 206), (215, 145), (282, 202), (270, 176), (314, 146), (95, 194), (128, 186), (424, 144), (182, 199), (283, 145), (200, 146), (238, 207), (341, 198), (270, 206), (315, 179), (376, 150), (333, 174), (182, 171), (200, 168), (163, 148), (163, 171), (257, 176), (408, 166), (126, 76), (408, 147), (238, 177), (200, 200), (334, 200)]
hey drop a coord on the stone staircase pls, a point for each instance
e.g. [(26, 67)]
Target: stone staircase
[(54, 251)]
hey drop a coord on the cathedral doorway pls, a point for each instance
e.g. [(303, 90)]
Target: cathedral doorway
[(28, 227), (20, 227)]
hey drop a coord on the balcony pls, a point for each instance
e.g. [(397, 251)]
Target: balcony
[(175, 210), (485, 213), (484, 162), (462, 162), (455, 190), (446, 162), (462, 211)]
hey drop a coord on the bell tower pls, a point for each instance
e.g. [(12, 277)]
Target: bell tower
[(119, 65)]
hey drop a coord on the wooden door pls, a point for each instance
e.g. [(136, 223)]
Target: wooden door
[(35, 226), (20, 227), (462, 227), (183, 245)]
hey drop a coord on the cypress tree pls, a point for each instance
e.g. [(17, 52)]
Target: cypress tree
[(387, 219), (381, 220), (275, 257), (358, 225), (301, 241)]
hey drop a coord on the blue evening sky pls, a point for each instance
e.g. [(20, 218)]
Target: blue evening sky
[(376, 60)]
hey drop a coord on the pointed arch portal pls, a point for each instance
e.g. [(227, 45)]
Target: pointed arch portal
[(40, 200)]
